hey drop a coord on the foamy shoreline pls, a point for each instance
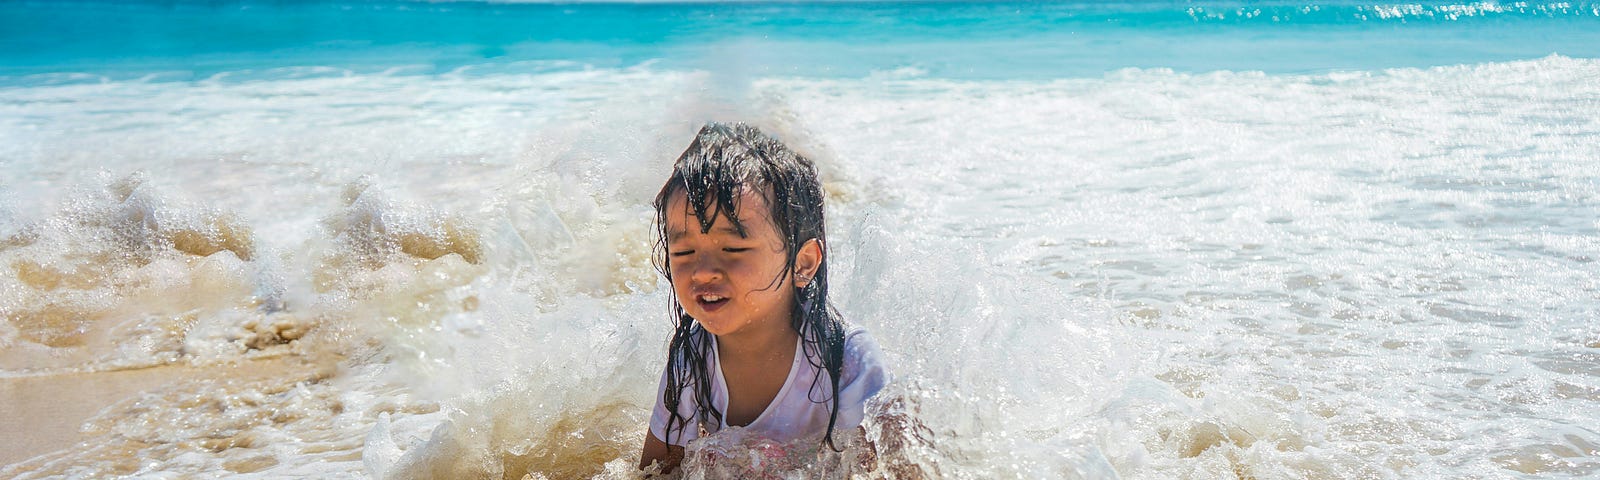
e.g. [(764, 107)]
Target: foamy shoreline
[(52, 408)]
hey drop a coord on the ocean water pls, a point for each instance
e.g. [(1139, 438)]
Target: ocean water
[(1096, 239)]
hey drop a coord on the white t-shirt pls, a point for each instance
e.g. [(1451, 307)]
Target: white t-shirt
[(792, 414)]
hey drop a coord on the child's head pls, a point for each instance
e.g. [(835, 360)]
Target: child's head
[(741, 223), (740, 226)]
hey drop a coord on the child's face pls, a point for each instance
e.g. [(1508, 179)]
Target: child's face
[(725, 281)]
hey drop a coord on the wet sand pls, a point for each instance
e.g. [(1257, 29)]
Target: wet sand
[(44, 413)]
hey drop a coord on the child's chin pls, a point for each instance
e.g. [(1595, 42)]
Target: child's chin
[(717, 326)]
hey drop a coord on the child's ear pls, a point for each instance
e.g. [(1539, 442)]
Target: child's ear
[(806, 262)]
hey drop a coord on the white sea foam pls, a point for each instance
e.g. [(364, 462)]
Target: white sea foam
[(1148, 275)]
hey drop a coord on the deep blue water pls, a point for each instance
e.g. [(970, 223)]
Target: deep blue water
[(186, 40)]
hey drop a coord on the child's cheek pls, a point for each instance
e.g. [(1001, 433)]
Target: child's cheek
[(680, 289)]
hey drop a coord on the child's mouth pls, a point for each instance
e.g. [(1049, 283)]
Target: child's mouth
[(711, 303)]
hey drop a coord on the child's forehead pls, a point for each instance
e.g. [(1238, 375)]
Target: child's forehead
[(747, 199), (751, 211)]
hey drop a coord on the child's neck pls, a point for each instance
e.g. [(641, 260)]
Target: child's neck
[(756, 343)]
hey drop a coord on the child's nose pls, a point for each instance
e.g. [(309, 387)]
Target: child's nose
[(705, 270)]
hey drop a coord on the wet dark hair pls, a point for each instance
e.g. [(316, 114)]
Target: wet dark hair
[(722, 159)]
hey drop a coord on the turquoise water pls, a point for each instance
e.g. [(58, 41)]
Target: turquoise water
[(981, 40)]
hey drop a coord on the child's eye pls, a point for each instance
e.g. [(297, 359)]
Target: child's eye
[(683, 253), (734, 249)]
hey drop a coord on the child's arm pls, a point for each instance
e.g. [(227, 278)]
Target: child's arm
[(655, 450), (900, 438)]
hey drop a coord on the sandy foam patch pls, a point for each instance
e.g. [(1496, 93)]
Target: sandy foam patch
[(53, 409)]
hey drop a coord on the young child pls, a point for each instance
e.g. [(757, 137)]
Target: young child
[(756, 345)]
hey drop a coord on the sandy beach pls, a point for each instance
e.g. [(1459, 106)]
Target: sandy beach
[(48, 412)]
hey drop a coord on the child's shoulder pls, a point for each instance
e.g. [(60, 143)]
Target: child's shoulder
[(865, 370), (857, 335), (861, 351)]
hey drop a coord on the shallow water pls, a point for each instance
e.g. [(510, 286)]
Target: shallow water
[(1240, 266)]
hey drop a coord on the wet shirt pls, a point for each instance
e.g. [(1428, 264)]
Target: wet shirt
[(799, 410)]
